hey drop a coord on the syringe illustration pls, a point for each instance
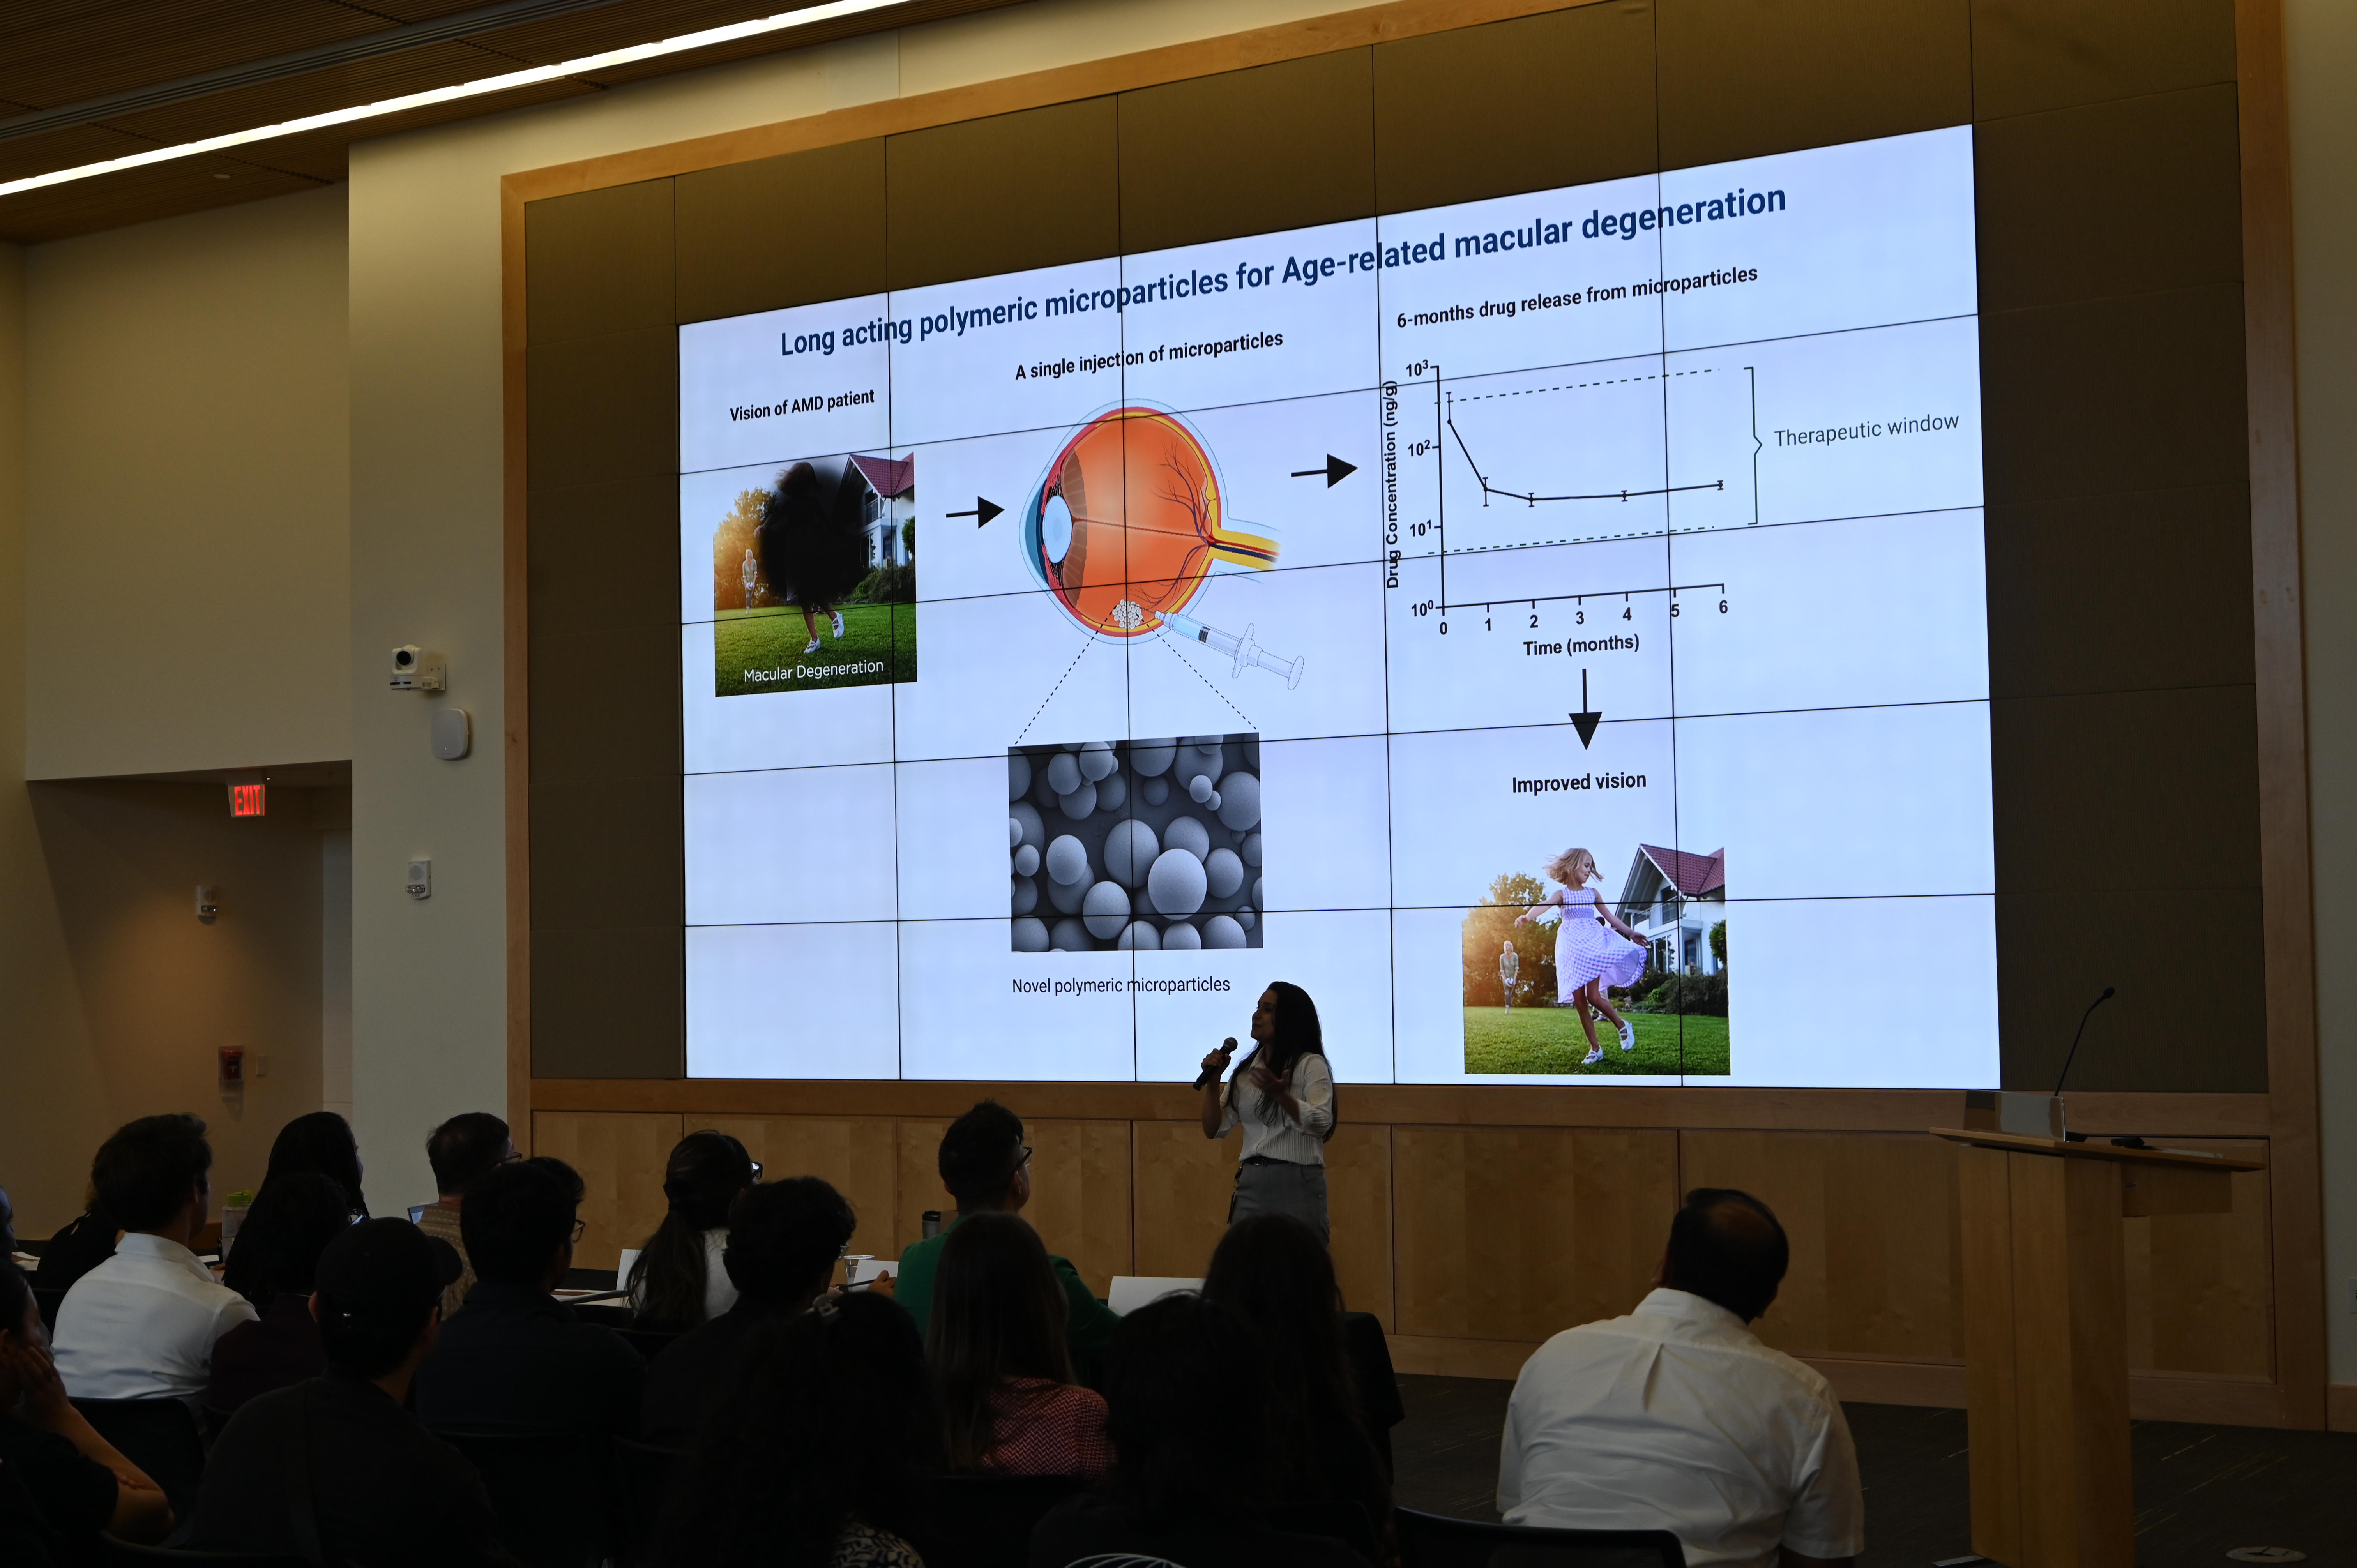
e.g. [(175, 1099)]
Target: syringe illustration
[(1243, 649)]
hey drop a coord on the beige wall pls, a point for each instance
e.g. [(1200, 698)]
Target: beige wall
[(2323, 63), (429, 982), (186, 561)]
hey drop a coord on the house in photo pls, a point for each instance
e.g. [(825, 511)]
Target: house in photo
[(1671, 900), (891, 501)]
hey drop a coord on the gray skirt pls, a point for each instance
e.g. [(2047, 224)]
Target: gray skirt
[(1279, 1187)]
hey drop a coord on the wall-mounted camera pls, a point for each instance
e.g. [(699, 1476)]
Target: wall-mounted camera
[(415, 671)]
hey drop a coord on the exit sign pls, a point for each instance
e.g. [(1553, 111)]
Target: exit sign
[(249, 799)]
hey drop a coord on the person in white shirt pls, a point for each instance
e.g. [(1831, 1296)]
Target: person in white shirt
[(141, 1325), (1677, 1418), (1283, 1098)]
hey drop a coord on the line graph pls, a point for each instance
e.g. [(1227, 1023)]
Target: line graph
[(1449, 418)]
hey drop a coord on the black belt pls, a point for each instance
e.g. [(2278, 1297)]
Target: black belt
[(1265, 1160)]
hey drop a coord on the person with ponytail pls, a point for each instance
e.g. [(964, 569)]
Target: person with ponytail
[(1283, 1098), (678, 1281)]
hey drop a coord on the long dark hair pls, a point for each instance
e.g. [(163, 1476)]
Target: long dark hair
[(707, 1172), (294, 1218), (1298, 1035), (998, 1315), (321, 1142), (1186, 1383), (827, 1417), (1274, 1271)]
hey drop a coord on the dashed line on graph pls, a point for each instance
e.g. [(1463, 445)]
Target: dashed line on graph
[(1058, 686), (1207, 681)]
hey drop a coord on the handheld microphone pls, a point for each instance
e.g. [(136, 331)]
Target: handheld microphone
[(2108, 992), (1208, 1073)]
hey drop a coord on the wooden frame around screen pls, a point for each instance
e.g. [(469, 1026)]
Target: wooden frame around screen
[(2286, 1115)]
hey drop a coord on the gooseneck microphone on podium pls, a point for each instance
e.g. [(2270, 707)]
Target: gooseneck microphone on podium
[(1208, 1073), (2109, 992)]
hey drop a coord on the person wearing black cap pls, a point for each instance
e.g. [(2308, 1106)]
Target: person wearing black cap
[(335, 1469)]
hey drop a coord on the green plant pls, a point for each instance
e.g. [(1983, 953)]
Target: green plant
[(908, 539), (886, 586), (1718, 943), (1705, 993), (1489, 925)]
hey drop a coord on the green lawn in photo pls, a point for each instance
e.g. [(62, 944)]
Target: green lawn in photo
[(771, 640), (1548, 1041)]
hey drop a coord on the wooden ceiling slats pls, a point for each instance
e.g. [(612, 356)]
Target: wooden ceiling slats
[(147, 41)]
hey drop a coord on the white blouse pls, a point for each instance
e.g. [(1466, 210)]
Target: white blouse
[(1268, 1131)]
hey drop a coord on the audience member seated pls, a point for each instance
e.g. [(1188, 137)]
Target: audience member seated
[(333, 1469), (77, 1481), (816, 1456), (987, 1169), (1272, 1270), (1187, 1385), (516, 1358), (1677, 1418), (143, 1324), (676, 1282), (783, 1241), (84, 1242), (462, 1151), (997, 1343), (294, 1218), (7, 1226), (322, 1144)]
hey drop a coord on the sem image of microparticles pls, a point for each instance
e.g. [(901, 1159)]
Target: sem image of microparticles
[(1123, 844)]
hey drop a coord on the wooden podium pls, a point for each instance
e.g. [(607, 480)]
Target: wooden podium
[(2046, 1363)]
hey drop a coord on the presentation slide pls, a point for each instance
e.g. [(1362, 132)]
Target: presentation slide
[(1551, 630)]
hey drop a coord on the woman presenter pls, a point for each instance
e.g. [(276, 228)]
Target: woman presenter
[(1283, 1097)]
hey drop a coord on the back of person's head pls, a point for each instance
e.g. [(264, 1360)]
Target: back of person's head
[(998, 1314), (784, 1238), (980, 1153), (465, 1149), (1186, 1379), (828, 1417), (516, 1218), (145, 1173), (321, 1141), (379, 1282), (1726, 1247), (707, 1173), (1275, 1271), (294, 1218)]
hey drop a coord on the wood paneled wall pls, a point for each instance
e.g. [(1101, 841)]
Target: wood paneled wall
[(1474, 1243)]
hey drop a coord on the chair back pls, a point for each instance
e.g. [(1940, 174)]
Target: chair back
[(160, 1436), (985, 1521), (645, 1472), (1430, 1540), (649, 1342), (552, 1493), (114, 1554), (1336, 1519)]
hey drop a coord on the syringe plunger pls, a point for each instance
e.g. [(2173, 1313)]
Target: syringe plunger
[(1243, 650)]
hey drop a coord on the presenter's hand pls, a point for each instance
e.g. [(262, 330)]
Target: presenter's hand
[(1217, 1061), (1269, 1082)]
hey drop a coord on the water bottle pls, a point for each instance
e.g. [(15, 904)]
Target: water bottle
[(933, 1218)]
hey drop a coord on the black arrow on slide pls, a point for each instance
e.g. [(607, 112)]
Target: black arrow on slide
[(1336, 471), (1585, 722), (982, 513)]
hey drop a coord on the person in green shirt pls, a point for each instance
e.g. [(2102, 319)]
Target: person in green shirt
[(986, 1167)]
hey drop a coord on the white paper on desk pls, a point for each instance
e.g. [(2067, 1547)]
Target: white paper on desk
[(623, 1270), (866, 1270), (1131, 1291)]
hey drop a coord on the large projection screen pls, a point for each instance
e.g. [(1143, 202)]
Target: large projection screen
[(1370, 605)]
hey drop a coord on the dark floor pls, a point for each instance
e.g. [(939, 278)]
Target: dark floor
[(2201, 1491)]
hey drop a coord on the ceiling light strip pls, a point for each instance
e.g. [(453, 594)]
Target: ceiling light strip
[(833, 11)]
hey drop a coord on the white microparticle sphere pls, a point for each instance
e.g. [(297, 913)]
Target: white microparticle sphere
[(1030, 935), (1068, 861), (1066, 897), (1175, 883), (1096, 760), (1064, 773), (1140, 936), (1223, 872), (1026, 894), (1153, 791), (1213, 801), (1129, 851), (1042, 789), (1200, 754), (1080, 802), (1071, 936), (1180, 938), (1220, 931), (1106, 909), (1257, 901), (1019, 774), (1152, 756), (1112, 794), (1202, 742), (1027, 861), (1013, 833), (1199, 787), (1250, 849), (1055, 528), (1246, 919), (1189, 834), (1239, 805), (1027, 815)]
